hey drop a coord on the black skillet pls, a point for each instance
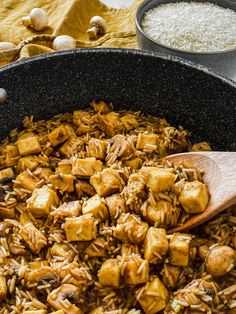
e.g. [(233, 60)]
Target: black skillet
[(186, 95)]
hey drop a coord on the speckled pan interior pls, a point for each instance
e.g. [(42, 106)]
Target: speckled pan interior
[(194, 97)]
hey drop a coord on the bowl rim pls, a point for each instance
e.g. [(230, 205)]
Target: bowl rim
[(138, 19), (117, 51)]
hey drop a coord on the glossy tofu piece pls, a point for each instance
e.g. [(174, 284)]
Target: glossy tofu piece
[(71, 147), (33, 237), (109, 123), (41, 201), (194, 197), (154, 298), (155, 245), (116, 205), (129, 122), (28, 181), (24, 163), (64, 168), (96, 206), (136, 270), (97, 148), (86, 167), (6, 173), (179, 249), (157, 179), (106, 182), (28, 146), (130, 228), (147, 141), (60, 134), (109, 273), (71, 209), (63, 182), (81, 228), (97, 248)]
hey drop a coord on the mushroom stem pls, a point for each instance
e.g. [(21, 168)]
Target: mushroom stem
[(92, 32), (26, 21)]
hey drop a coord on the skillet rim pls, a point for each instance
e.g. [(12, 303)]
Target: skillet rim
[(126, 51)]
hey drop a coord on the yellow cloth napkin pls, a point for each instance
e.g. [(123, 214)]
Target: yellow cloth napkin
[(66, 17)]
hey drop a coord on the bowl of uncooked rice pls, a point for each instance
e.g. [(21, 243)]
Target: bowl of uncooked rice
[(199, 31), (86, 202)]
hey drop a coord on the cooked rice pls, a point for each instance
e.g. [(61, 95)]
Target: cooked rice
[(31, 244)]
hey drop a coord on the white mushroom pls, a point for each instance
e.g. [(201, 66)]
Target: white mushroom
[(98, 26), (37, 19), (64, 42), (5, 45)]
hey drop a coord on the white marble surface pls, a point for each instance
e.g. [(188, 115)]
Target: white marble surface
[(118, 4)]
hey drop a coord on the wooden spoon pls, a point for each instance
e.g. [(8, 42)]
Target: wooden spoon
[(219, 169)]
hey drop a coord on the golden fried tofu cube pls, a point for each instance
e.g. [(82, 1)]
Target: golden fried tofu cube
[(86, 167), (106, 182), (131, 229), (3, 287), (109, 123), (9, 151), (6, 173), (155, 245), (96, 248), (24, 163), (97, 148), (171, 275), (60, 134), (116, 205), (62, 250), (36, 312), (154, 298), (64, 168), (81, 117), (163, 214), (179, 249), (71, 147), (63, 182), (147, 141), (58, 312), (28, 181), (127, 249), (194, 197), (71, 209), (101, 106), (136, 270), (38, 264), (24, 218), (33, 237), (43, 173), (135, 163), (6, 212), (96, 207), (109, 273), (28, 146), (41, 201), (157, 179), (129, 122), (81, 228), (84, 188)]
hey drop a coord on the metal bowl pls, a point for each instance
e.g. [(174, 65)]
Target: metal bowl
[(223, 62)]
